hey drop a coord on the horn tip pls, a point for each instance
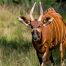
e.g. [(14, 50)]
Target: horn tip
[(40, 2), (35, 3)]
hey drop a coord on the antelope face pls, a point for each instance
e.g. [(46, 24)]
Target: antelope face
[(34, 23), (36, 30)]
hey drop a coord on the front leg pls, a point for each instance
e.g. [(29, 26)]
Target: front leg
[(51, 59), (45, 57)]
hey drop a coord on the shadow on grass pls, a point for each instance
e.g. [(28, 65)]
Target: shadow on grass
[(17, 53), (19, 45)]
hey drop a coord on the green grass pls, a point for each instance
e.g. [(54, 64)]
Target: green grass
[(17, 53), (15, 40)]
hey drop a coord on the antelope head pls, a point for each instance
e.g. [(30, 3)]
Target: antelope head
[(35, 24)]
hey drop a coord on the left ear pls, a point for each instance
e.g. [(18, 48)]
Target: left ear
[(24, 20), (48, 20)]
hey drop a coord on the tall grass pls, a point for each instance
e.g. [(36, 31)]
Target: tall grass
[(15, 40)]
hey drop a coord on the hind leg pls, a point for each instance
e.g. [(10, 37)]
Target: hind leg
[(62, 50)]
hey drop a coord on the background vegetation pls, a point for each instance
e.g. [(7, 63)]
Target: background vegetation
[(15, 39)]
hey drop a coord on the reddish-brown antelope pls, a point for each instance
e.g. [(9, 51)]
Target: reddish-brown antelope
[(48, 31)]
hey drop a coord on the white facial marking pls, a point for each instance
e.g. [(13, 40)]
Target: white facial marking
[(50, 20), (19, 18), (44, 24)]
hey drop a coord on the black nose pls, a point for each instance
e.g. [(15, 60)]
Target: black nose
[(35, 34), (34, 37)]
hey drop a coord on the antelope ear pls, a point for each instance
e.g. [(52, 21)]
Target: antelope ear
[(48, 20), (24, 20)]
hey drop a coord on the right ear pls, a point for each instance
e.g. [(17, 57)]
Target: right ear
[(24, 20)]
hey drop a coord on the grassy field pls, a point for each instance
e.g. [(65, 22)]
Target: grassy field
[(15, 40)]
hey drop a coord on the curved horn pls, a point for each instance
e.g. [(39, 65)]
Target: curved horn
[(31, 12), (41, 12)]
